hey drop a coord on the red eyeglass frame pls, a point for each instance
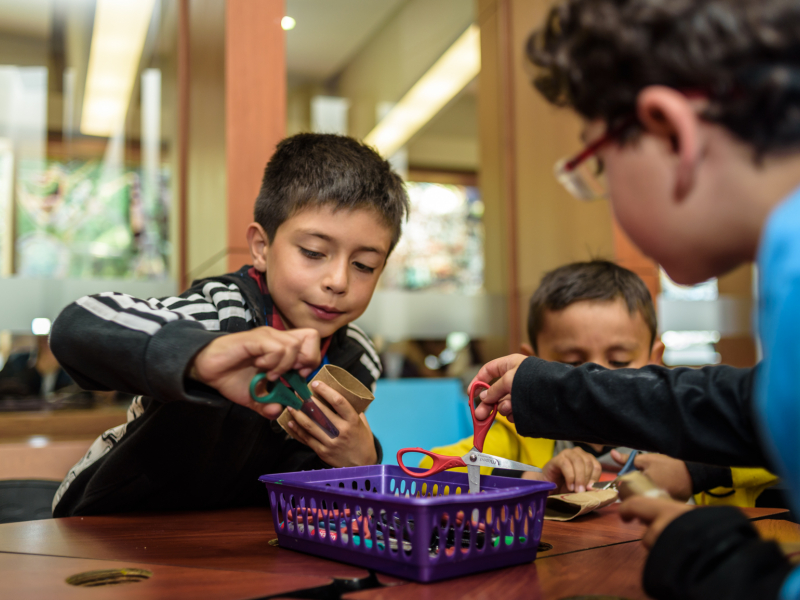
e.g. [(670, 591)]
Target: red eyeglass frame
[(592, 148)]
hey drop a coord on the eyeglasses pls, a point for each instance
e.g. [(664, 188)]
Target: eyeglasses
[(582, 175)]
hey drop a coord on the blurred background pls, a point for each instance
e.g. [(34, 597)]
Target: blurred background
[(134, 133)]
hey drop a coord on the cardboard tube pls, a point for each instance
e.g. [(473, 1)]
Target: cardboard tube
[(355, 392), (637, 483)]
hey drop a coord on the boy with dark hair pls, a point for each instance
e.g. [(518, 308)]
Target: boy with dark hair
[(691, 108), (328, 215), (598, 281)]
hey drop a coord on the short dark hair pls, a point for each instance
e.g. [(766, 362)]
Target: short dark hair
[(593, 280), (322, 169), (744, 55)]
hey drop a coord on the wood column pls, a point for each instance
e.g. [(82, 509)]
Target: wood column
[(184, 52), (532, 224), (255, 108), (629, 256)]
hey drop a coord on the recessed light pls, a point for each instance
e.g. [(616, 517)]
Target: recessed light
[(288, 23)]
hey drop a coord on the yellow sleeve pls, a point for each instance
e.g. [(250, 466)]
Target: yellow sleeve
[(503, 441), (748, 483)]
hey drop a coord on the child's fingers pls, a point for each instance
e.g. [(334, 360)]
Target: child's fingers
[(498, 367), (581, 476), (506, 410), (619, 456), (339, 403), (597, 469), (291, 348), (308, 354), (271, 410), (307, 436), (311, 431), (499, 390), (644, 509), (568, 473)]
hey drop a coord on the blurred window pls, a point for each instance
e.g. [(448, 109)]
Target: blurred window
[(442, 244), (85, 173)]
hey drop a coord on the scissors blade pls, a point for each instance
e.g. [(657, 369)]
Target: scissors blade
[(495, 462), (474, 475), (627, 468)]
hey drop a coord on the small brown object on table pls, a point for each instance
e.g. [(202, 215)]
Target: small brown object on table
[(227, 554)]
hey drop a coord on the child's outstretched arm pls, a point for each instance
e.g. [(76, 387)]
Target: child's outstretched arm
[(353, 447), (113, 341), (703, 415)]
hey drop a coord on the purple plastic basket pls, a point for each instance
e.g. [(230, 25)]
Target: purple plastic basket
[(425, 529)]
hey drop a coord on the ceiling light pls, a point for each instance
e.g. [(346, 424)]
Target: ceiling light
[(120, 29), (459, 65), (288, 23)]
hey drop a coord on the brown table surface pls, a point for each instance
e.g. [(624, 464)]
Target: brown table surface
[(226, 554)]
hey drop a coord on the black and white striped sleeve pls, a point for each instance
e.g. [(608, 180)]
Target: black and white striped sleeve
[(369, 367), (113, 341)]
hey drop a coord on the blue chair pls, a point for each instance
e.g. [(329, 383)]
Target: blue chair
[(421, 413)]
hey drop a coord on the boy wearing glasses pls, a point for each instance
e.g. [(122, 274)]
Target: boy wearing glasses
[(692, 108)]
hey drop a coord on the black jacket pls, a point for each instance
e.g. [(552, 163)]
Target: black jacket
[(704, 415), (184, 445)]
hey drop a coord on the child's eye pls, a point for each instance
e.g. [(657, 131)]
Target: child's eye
[(575, 363), (311, 253), (364, 268), (619, 364)]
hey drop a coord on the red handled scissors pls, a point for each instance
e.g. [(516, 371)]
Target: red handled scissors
[(475, 458)]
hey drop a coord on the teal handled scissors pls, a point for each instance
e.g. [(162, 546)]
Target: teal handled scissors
[(475, 458), (285, 391)]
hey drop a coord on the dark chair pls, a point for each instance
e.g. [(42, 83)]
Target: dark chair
[(26, 499), (30, 476)]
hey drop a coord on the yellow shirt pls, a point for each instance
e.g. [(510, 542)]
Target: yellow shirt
[(748, 483)]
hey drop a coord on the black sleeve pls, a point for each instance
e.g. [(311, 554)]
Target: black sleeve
[(707, 477), (693, 414), (114, 341), (714, 552)]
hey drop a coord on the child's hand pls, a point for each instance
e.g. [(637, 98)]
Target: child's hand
[(353, 448), (573, 470), (503, 368), (230, 362), (670, 474), (655, 513)]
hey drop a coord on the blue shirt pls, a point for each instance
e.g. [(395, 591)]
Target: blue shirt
[(778, 379)]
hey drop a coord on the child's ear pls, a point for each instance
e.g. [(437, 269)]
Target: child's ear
[(527, 350), (657, 353), (258, 242), (667, 113)]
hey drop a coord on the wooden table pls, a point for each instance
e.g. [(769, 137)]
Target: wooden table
[(227, 555), (68, 424)]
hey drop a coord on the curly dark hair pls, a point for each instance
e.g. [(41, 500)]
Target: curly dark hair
[(324, 169), (744, 55), (597, 280)]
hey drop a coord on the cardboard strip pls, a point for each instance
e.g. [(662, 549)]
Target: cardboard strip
[(565, 507)]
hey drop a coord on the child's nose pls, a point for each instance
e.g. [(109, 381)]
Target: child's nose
[(336, 278)]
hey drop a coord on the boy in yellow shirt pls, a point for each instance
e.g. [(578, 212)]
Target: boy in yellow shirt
[(602, 313)]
